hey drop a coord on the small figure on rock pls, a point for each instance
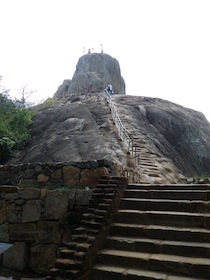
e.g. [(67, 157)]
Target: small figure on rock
[(101, 48), (109, 89)]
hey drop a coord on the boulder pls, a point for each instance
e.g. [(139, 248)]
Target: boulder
[(16, 257), (97, 67), (80, 128), (94, 71), (62, 89), (73, 132), (42, 258), (173, 131)]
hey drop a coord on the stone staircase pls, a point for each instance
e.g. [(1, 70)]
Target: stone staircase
[(154, 167), (159, 232), (75, 258)]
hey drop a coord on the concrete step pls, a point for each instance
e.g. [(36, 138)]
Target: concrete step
[(71, 254), (165, 218), (186, 266), (67, 264), (194, 206), (157, 231), (149, 169), (156, 246), (151, 173), (175, 187), (56, 273), (148, 164), (111, 272), (168, 194), (145, 160)]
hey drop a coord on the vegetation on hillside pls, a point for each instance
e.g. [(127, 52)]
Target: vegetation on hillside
[(14, 121)]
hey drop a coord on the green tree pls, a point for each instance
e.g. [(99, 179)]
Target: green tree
[(14, 121)]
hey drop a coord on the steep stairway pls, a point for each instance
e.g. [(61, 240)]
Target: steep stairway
[(154, 167), (159, 232), (74, 258)]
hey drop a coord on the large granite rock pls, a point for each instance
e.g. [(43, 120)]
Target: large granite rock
[(176, 132), (76, 125), (83, 131), (62, 89), (78, 131), (93, 72)]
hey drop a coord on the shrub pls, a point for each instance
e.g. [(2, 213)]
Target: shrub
[(14, 131)]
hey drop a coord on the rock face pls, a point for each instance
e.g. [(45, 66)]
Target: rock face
[(78, 126), (93, 72), (178, 133), (82, 130)]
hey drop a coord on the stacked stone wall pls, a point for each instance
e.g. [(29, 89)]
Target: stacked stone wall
[(37, 222), (40, 205), (55, 174)]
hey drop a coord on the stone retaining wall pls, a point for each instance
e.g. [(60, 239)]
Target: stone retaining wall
[(37, 217), (55, 174), (38, 222)]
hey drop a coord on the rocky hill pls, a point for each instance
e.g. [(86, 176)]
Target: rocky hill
[(171, 139), (93, 72)]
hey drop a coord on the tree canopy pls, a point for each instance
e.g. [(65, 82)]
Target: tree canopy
[(14, 132)]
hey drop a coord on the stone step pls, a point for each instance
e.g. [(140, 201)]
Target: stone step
[(187, 266), (145, 160), (175, 187), (107, 181), (104, 206), (94, 203), (149, 164), (100, 196), (100, 212), (82, 247), (111, 272), (165, 218), (67, 264), (144, 182), (152, 174), (144, 153), (149, 169), (168, 194), (56, 273), (70, 254), (106, 186), (198, 206), (92, 217), (79, 238), (91, 225), (156, 246), (65, 252), (104, 190), (165, 232)]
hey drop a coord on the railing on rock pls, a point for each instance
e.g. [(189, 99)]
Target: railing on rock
[(123, 132)]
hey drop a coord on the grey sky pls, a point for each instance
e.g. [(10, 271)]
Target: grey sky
[(162, 45)]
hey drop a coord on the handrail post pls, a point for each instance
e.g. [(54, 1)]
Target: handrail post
[(132, 145), (123, 133)]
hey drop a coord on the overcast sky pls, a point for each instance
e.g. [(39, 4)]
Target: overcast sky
[(163, 46)]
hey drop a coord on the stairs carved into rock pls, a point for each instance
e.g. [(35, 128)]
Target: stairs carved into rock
[(159, 232), (154, 167)]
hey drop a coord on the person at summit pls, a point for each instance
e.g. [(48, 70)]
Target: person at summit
[(109, 88)]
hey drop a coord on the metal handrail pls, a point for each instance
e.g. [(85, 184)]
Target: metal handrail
[(123, 132)]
